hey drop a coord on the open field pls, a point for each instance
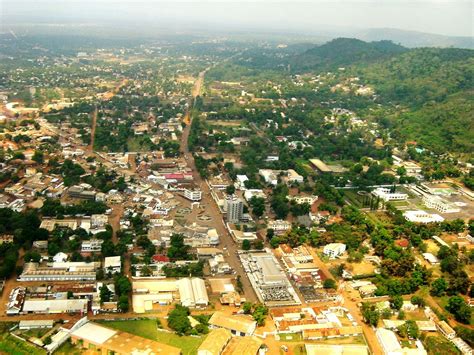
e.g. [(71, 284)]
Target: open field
[(11, 345), (147, 328)]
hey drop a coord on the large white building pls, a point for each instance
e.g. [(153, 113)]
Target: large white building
[(440, 205), (420, 216), (68, 271), (192, 292), (386, 195), (112, 264), (333, 250), (93, 245)]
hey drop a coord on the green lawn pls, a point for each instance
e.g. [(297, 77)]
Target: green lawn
[(11, 345), (147, 328), (68, 349)]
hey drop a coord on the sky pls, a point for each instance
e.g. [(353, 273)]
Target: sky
[(446, 17)]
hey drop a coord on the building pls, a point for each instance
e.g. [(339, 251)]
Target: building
[(192, 292), (388, 341), (349, 349), (386, 195), (249, 345), (279, 226), (147, 293), (334, 250), (107, 341), (446, 330), (15, 301), (193, 194), (235, 209), (293, 177), (80, 192), (35, 324), (91, 246), (304, 199), (55, 306), (433, 260), (439, 204), (269, 176), (239, 325), (112, 264), (68, 271), (422, 217), (215, 342)]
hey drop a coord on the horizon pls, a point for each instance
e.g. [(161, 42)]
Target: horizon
[(320, 18)]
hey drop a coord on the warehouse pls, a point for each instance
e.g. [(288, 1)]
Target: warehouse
[(55, 306), (237, 324), (192, 292)]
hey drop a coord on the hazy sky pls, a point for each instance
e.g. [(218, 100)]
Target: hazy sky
[(448, 17)]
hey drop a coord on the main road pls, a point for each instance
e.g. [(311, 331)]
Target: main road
[(226, 241)]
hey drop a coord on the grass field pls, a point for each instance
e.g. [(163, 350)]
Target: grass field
[(147, 328), (68, 349), (11, 345)]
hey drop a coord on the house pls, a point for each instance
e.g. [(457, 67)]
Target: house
[(112, 264), (239, 325), (334, 250), (433, 260), (215, 342)]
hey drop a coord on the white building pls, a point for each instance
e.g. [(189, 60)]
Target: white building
[(279, 226), (386, 195), (240, 181), (422, 217), (293, 176), (440, 205), (60, 257), (333, 250), (192, 292), (270, 176), (193, 195), (433, 260), (55, 306), (304, 199), (91, 246), (235, 209), (112, 264)]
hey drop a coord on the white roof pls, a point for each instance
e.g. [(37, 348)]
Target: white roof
[(52, 306), (94, 333), (388, 340), (112, 261)]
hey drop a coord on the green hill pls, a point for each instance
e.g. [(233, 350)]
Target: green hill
[(342, 52)]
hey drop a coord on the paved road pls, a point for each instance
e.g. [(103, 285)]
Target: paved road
[(226, 240)]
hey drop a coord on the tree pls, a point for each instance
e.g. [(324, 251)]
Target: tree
[(246, 245), (438, 287), (460, 309), (230, 189), (329, 283), (178, 250), (370, 314), (178, 320), (418, 301), (122, 303), (260, 314), (38, 157), (247, 307), (105, 294), (396, 302)]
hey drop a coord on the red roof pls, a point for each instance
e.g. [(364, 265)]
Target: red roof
[(160, 259), (402, 243)]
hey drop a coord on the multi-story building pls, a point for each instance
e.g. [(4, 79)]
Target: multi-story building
[(440, 205), (193, 194), (235, 209)]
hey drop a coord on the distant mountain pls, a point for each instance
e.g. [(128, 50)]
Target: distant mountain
[(414, 39), (342, 52)]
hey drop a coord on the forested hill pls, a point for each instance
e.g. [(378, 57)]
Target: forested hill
[(342, 52), (431, 89)]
